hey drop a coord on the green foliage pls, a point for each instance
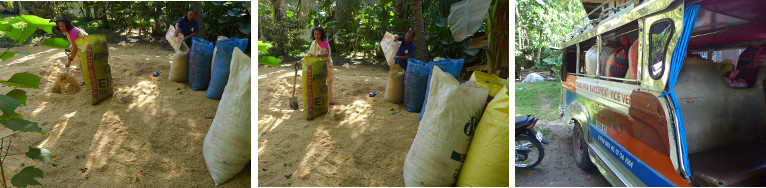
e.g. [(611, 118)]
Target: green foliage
[(231, 18), (544, 23), (59, 43), (19, 29), (539, 98), (23, 80), (361, 28), (284, 33), (40, 154), (8, 104), (18, 95), (21, 125), (263, 48), (465, 19), (27, 177)]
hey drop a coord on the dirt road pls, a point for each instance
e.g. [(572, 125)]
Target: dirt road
[(558, 168)]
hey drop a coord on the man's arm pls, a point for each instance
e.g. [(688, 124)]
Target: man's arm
[(403, 57), (190, 36), (178, 25)]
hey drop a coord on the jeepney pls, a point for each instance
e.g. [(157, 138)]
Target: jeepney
[(676, 121)]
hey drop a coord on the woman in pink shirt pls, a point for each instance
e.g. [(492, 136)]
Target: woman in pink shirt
[(72, 33), (320, 48)]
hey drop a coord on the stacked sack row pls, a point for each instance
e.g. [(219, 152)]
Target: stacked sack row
[(461, 139), (224, 71)]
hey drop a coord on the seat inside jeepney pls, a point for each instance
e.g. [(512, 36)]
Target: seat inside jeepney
[(725, 127)]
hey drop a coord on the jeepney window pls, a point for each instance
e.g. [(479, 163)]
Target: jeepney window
[(569, 64), (659, 37)]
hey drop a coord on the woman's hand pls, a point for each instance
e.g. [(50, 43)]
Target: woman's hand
[(297, 64)]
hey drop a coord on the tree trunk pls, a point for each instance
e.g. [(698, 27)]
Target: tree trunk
[(421, 51), (402, 14), (86, 10), (202, 33), (498, 21)]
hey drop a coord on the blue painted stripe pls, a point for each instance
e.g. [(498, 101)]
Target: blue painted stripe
[(570, 97), (640, 169)]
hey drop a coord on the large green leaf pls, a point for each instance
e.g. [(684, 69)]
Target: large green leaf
[(10, 116), (6, 27), (269, 60), (263, 47), (35, 20), (22, 125), (27, 177), (21, 34), (7, 55), (38, 23), (59, 43), (8, 104), (23, 80), (466, 17), (40, 154), (18, 95)]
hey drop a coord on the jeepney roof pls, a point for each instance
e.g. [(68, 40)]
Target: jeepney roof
[(720, 24), (726, 23)]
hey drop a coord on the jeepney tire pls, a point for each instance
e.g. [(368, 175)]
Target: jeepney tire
[(582, 158)]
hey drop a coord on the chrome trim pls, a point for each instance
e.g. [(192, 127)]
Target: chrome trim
[(601, 167), (675, 14), (598, 56), (681, 169), (577, 66), (638, 11), (621, 34), (618, 171), (714, 32), (620, 79)]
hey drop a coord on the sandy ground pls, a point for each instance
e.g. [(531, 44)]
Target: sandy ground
[(361, 141), (558, 168), (152, 125)]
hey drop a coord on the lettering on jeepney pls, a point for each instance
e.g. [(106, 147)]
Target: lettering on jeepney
[(605, 92)]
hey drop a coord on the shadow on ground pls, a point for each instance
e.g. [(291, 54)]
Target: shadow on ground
[(558, 168)]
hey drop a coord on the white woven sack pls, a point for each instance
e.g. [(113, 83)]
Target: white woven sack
[(227, 145), (452, 114), (590, 59)]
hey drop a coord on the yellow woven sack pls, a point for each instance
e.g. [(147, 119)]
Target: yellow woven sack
[(489, 81), (94, 60), (486, 162), (313, 82)]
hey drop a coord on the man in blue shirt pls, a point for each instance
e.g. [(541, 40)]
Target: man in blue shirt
[(406, 50), (188, 26)]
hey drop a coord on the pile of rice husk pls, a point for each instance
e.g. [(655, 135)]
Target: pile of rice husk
[(65, 84), (361, 141), (148, 134)]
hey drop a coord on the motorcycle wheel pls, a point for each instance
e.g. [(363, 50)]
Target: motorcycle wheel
[(580, 149), (529, 152)]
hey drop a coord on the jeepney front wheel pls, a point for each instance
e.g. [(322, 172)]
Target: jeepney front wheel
[(580, 148)]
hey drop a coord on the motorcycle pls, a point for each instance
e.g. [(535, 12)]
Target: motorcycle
[(529, 143)]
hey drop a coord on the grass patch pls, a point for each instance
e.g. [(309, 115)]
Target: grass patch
[(532, 97), (546, 131)]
